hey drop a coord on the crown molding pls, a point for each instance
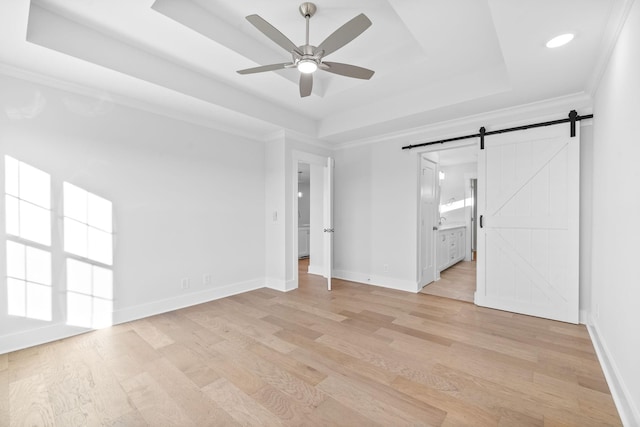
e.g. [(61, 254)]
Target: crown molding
[(90, 92), (509, 116)]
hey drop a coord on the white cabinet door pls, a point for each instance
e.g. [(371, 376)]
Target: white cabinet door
[(428, 209), (528, 200), (443, 250), (461, 242)]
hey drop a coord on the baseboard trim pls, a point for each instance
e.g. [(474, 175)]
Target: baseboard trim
[(182, 301), (629, 414), (583, 317), (316, 269), (33, 337), (381, 281), (58, 331), (281, 285)]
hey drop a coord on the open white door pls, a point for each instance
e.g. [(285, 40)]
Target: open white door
[(428, 208), (528, 210), (328, 221)]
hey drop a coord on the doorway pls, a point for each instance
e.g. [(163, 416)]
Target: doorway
[(453, 223), (312, 240)]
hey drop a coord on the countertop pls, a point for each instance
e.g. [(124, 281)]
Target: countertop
[(445, 227)]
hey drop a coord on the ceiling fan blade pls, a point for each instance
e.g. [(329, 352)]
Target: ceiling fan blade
[(306, 84), (264, 68), (345, 34), (271, 32), (348, 70)]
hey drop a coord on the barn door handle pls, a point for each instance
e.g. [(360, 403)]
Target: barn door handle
[(480, 221)]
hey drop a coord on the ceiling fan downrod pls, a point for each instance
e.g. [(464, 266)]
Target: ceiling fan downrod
[(307, 10)]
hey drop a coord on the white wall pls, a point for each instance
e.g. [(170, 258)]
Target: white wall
[(376, 199), (616, 210), (586, 214), (454, 187), (304, 203), (275, 215), (283, 153), (187, 201)]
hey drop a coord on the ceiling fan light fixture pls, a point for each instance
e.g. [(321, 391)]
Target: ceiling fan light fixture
[(560, 40), (307, 66)]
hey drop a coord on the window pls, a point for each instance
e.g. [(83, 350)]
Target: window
[(28, 281), (89, 294), (88, 238), (87, 225), (28, 202), (28, 227)]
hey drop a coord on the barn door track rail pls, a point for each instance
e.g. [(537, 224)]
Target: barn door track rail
[(573, 118)]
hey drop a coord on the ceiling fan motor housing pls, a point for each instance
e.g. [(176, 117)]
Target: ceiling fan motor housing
[(308, 9)]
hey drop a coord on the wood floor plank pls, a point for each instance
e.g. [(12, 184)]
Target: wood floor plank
[(152, 335), (278, 378), (196, 404), (358, 355), (333, 413), (4, 397), (290, 364), (29, 402), (154, 403), (243, 408), (456, 282), (384, 411)]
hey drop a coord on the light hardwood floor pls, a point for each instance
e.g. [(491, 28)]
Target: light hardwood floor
[(356, 356), (456, 282)]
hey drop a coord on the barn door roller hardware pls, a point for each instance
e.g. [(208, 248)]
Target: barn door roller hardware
[(572, 119)]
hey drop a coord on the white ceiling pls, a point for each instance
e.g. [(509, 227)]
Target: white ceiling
[(434, 60), (458, 156)]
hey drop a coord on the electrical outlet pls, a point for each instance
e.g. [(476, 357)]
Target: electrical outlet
[(385, 268), (184, 283), (206, 279)]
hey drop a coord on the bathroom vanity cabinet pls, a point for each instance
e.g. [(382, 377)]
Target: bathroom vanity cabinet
[(451, 245)]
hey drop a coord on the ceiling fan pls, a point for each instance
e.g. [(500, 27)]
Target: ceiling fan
[(307, 58)]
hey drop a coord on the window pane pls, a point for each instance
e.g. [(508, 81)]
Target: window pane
[(11, 176), (79, 310), (100, 213), (100, 246), (12, 216), (16, 298), (75, 237), (35, 186), (102, 283), (38, 266), (15, 260), (78, 276), (35, 223), (102, 313), (75, 202), (38, 301)]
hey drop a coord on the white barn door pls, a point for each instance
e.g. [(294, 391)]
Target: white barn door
[(528, 205)]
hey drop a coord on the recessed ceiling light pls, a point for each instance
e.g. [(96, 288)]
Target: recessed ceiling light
[(559, 40)]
